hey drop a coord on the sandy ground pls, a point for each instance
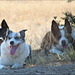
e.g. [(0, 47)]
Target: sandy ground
[(51, 70)]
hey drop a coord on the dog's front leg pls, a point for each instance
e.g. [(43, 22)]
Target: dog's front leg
[(17, 65), (2, 66), (55, 50)]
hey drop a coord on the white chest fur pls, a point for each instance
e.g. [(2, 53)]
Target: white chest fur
[(19, 57)]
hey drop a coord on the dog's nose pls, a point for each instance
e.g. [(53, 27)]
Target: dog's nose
[(63, 43), (12, 42)]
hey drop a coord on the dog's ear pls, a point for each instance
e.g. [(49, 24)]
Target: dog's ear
[(55, 30), (68, 26), (4, 24), (8, 32), (22, 33)]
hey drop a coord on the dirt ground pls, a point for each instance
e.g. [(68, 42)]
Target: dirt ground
[(51, 70)]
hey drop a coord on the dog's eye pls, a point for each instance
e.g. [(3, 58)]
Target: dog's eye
[(16, 38), (9, 38)]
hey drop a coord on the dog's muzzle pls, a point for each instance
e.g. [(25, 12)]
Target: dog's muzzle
[(13, 48)]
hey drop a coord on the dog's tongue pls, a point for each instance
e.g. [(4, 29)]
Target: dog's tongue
[(13, 50)]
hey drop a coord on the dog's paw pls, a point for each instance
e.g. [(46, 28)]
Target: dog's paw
[(17, 66), (3, 67)]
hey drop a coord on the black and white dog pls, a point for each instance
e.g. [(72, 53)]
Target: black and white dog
[(19, 43), (14, 50)]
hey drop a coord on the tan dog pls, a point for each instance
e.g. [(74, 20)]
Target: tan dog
[(59, 38)]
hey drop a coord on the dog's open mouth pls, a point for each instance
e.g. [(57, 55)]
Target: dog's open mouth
[(13, 49)]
